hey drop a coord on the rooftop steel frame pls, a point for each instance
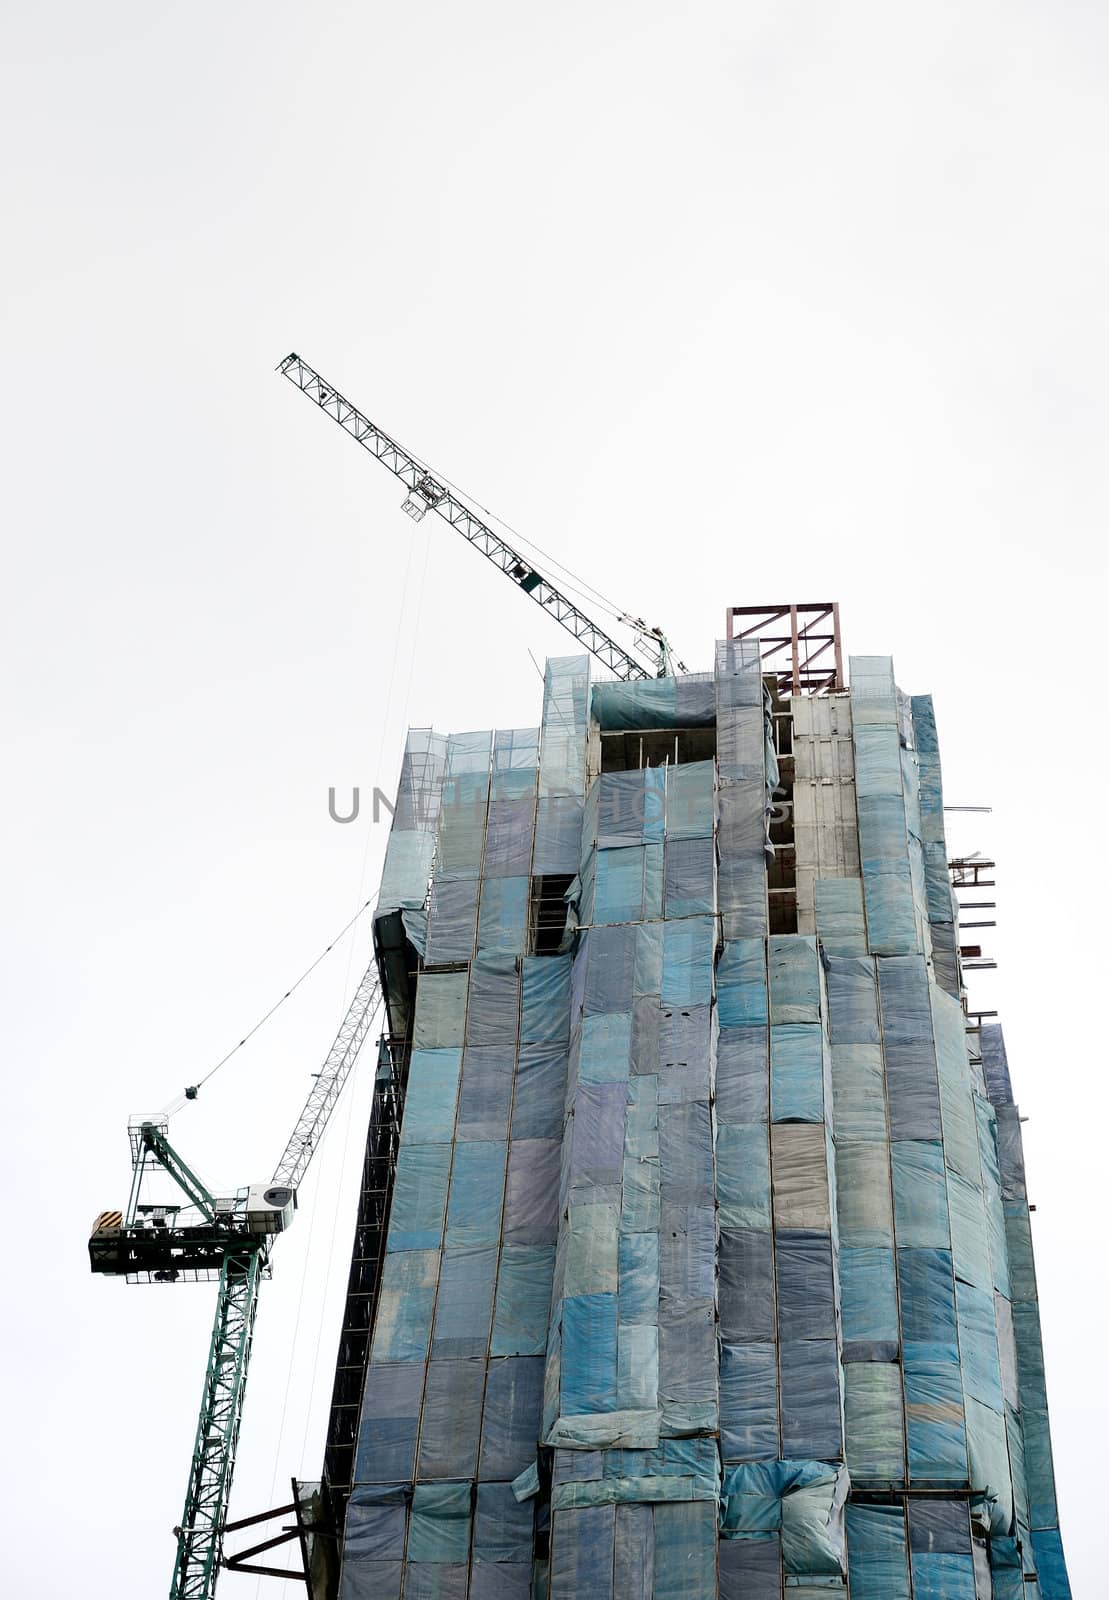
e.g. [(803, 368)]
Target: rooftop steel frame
[(806, 634)]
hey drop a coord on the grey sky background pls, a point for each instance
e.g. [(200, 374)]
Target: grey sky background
[(718, 303)]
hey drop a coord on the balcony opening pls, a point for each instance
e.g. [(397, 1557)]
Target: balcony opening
[(548, 912), (627, 751), (781, 884)]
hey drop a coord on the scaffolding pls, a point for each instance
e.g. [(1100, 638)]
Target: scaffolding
[(707, 1265)]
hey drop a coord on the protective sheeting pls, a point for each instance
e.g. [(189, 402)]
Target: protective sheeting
[(748, 777), (863, 1194), (692, 1226), (868, 1290), (389, 1423), (452, 921), (485, 1097), (804, 1499), (690, 801), (631, 1365), (685, 1557), (462, 824), (432, 1095), (742, 1076), (812, 1406), (940, 899), (751, 1568), (471, 1246), (503, 917), (883, 828), (995, 1064), (440, 1011), (748, 1402), (957, 1097), (874, 1423), (741, 985), (407, 870), (743, 1176), (1048, 1547), (687, 962), (840, 920), (510, 827), (935, 1421), (685, 702), (799, 1159), (677, 1470), (794, 973), (419, 1197), (565, 725), (852, 999), (920, 1194), (451, 1420), (558, 821), (806, 1285), (523, 1300), (859, 1093), (879, 1557), (411, 847), (406, 1301), (927, 1294), (797, 1073), (689, 887), (745, 1286), (492, 1013)]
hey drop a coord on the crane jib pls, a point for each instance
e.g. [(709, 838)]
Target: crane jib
[(426, 493)]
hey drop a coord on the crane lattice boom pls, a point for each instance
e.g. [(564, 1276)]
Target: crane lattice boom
[(426, 493), (329, 1081)]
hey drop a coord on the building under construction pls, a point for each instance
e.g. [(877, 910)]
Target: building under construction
[(694, 1256)]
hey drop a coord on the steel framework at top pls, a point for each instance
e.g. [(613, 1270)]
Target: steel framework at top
[(806, 635), (426, 493)]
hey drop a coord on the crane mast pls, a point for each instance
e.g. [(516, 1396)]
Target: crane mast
[(426, 493), (200, 1536)]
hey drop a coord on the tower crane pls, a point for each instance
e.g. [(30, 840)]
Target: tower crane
[(229, 1237), (427, 492)]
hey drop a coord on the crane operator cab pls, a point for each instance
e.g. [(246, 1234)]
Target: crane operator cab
[(269, 1208)]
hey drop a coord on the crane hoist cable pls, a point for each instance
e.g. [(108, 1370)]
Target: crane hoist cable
[(193, 1089)]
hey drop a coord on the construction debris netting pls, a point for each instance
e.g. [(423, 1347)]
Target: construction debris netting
[(709, 1268)]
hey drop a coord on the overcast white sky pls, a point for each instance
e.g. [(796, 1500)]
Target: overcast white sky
[(722, 304)]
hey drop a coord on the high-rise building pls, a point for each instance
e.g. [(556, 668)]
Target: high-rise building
[(693, 1255)]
